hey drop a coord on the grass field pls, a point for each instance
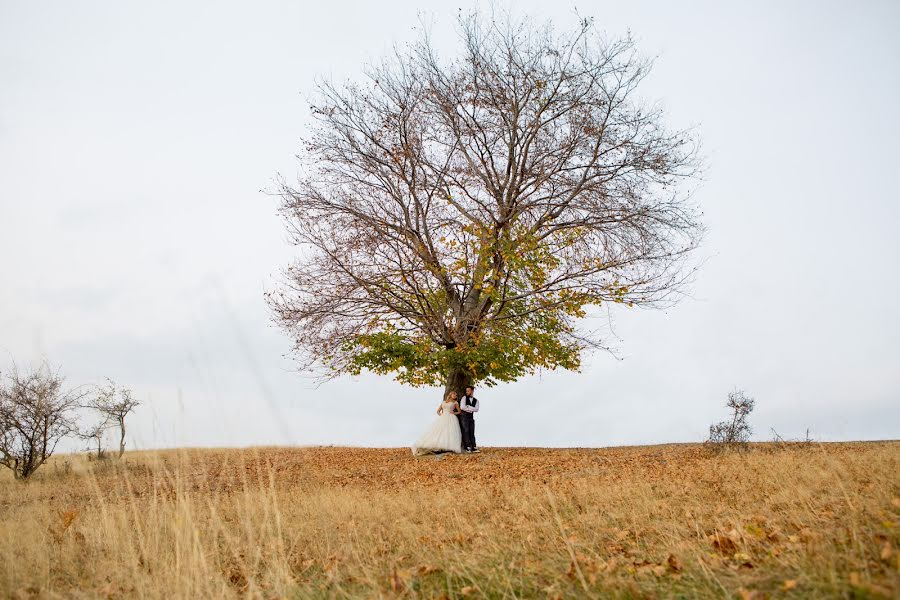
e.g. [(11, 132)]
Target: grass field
[(675, 521)]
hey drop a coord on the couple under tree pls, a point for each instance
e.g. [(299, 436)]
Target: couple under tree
[(454, 429)]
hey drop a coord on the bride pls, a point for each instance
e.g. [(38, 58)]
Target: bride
[(444, 434)]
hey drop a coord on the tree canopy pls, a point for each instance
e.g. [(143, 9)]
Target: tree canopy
[(458, 217)]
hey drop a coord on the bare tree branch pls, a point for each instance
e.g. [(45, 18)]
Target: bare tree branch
[(453, 204), (35, 414)]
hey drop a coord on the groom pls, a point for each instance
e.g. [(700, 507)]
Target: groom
[(469, 405)]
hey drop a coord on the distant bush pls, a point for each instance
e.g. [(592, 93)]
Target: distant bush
[(113, 404), (781, 442), (733, 432), (35, 414), (93, 435)]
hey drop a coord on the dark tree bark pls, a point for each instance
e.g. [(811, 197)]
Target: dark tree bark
[(457, 381)]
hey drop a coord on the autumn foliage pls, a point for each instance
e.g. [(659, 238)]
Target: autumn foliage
[(457, 218)]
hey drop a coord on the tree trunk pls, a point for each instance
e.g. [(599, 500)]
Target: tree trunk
[(122, 437), (457, 380)]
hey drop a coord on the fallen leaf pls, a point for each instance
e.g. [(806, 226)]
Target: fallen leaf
[(427, 570), (67, 518), (723, 543), (674, 563)]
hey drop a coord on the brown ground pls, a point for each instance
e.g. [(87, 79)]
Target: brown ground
[(819, 520)]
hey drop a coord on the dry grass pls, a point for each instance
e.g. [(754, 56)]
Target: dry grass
[(661, 521)]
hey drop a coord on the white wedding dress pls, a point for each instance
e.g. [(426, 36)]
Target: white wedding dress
[(443, 435)]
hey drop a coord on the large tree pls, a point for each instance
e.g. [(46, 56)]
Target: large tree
[(458, 218)]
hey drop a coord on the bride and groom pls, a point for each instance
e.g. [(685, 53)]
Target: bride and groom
[(454, 429)]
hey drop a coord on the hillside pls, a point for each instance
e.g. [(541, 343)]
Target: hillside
[(820, 520)]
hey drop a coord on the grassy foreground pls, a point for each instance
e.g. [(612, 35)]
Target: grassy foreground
[(644, 522)]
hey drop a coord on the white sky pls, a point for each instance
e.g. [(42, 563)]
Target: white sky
[(135, 137)]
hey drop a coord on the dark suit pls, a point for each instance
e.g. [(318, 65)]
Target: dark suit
[(467, 421)]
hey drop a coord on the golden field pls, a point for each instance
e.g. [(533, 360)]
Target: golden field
[(672, 521)]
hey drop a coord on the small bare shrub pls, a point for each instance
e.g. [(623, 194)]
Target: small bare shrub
[(734, 432), (93, 435), (62, 468), (781, 442), (114, 404), (35, 414)]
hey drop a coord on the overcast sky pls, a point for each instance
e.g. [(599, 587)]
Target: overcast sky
[(135, 244)]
